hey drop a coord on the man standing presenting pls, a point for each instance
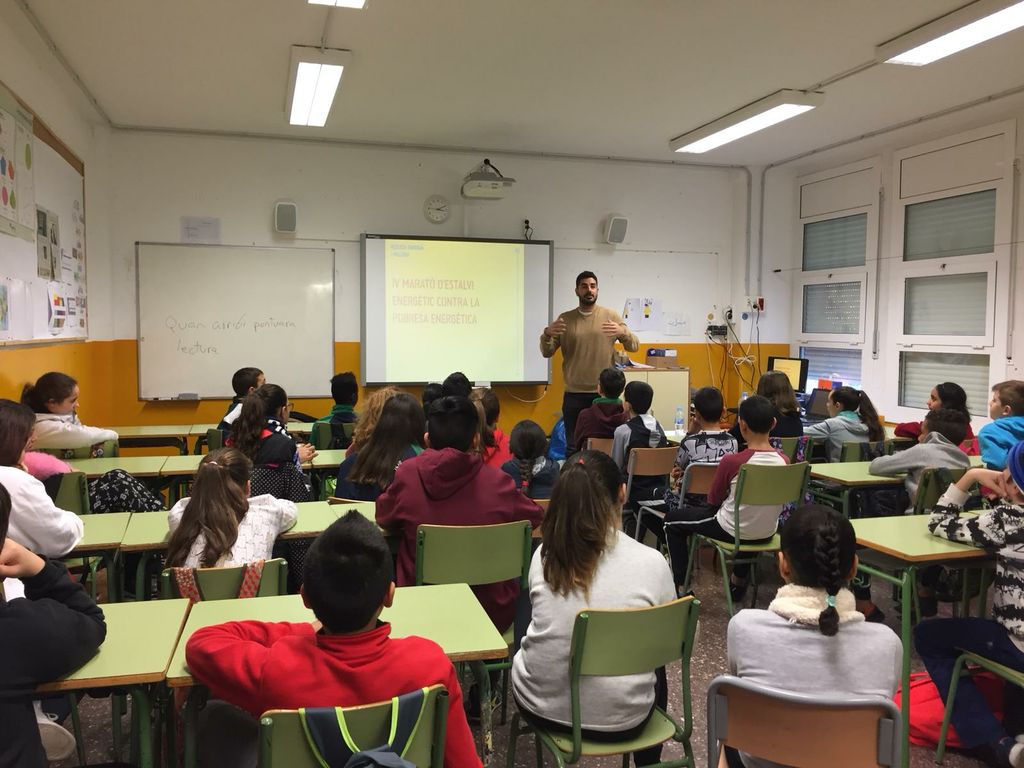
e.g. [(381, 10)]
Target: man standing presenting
[(587, 336)]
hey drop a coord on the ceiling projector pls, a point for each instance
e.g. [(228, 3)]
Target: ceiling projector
[(486, 182)]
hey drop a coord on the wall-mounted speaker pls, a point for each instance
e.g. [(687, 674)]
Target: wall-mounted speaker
[(285, 215), (615, 229)]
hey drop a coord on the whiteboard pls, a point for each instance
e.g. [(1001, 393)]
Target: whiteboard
[(204, 311)]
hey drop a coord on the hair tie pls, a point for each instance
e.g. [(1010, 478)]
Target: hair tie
[(830, 601), (579, 461), (212, 464)]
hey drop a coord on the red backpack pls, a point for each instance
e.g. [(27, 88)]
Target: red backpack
[(927, 708)]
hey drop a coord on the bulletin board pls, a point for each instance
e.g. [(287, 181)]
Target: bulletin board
[(42, 231)]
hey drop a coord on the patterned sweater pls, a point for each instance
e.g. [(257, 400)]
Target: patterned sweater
[(1000, 529)]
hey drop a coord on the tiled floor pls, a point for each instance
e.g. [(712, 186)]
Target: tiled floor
[(708, 661)]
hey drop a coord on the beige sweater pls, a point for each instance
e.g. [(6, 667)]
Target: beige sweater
[(586, 351)]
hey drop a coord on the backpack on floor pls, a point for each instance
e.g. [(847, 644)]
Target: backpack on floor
[(927, 707)]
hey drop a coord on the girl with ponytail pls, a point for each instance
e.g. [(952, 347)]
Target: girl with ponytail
[(259, 431), (219, 525), (586, 560), (951, 396), (852, 419), (811, 639), (533, 472)]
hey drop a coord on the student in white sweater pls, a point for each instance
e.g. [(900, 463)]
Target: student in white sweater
[(586, 561), (54, 399), (812, 640), (220, 525)]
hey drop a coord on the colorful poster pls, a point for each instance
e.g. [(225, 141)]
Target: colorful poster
[(58, 309), (25, 182)]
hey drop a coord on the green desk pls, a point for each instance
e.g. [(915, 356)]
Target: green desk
[(137, 466), (154, 436), (102, 537), (200, 430), (906, 539), (329, 459), (141, 638), (316, 516), (180, 471)]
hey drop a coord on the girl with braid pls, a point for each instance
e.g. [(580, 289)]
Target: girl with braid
[(533, 471), (812, 639)]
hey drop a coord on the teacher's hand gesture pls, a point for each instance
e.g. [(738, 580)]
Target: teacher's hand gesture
[(610, 329), (556, 329)]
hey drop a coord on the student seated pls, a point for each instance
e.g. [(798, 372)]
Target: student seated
[(431, 392), (54, 399), (448, 484), (398, 436), (640, 430), (370, 415), (345, 391), (1006, 409), (343, 659), (220, 524), (606, 413), (775, 385), (495, 448), (812, 640), (947, 395), (586, 561), (50, 632), (456, 385), (533, 472), (852, 419), (940, 641), (260, 433), (705, 441), (717, 518), (244, 382)]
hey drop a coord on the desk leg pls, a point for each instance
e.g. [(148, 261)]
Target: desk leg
[(845, 496), (140, 576), (986, 574), (190, 725), (141, 702), (483, 687)]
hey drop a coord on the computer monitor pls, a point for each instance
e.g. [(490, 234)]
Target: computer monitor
[(794, 367), (816, 404)]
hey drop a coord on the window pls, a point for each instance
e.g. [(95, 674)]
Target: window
[(920, 371), (832, 308), (946, 305), (950, 226), (833, 364), (835, 243)]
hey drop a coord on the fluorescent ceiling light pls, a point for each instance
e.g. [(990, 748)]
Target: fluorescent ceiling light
[(340, 3), (314, 78), (953, 32), (780, 106)]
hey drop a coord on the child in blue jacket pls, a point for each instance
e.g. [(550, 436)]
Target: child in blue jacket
[(1006, 409)]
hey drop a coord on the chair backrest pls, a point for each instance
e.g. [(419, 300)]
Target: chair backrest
[(897, 444), (349, 428), (776, 725), (862, 451), (772, 483), (648, 462), (214, 439), (474, 554), (627, 642), (697, 478), (934, 482), (224, 583), (73, 493), (321, 436), (793, 448), (107, 449), (284, 744), (602, 444)]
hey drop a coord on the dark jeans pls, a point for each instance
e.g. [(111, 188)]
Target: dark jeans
[(686, 520), (574, 403), (648, 756), (939, 642)]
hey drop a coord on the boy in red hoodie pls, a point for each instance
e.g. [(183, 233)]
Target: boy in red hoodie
[(606, 414), (344, 659), (448, 484)]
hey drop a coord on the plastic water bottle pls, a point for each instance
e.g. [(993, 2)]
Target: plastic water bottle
[(679, 419)]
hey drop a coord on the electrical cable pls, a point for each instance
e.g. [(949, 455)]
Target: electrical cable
[(527, 230), (524, 400)]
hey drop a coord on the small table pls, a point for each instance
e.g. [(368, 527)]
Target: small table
[(179, 470), (906, 539), (141, 638), (316, 516), (102, 537), (136, 466), (154, 436)]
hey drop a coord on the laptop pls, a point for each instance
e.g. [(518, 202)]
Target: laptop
[(816, 409)]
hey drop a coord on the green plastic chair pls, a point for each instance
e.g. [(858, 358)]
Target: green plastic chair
[(897, 444), (933, 484), (73, 494), (477, 555), (613, 643), (756, 484), (321, 436), (862, 451), (283, 742), (214, 439), (108, 447), (224, 583), (789, 445), (1012, 676)]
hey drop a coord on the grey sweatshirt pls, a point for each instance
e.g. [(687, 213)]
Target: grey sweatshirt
[(629, 575), (844, 428), (933, 452)]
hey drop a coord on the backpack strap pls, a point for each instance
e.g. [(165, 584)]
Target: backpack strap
[(327, 736), (185, 581), (252, 575), (406, 714)]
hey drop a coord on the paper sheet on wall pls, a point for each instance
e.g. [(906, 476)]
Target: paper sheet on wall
[(17, 196), (677, 324), (643, 314)]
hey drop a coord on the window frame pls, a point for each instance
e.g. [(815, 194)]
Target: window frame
[(819, 277), (957, 266)]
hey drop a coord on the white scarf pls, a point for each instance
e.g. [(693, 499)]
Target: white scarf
[(803, 605)]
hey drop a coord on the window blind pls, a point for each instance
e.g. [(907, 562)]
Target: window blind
[(946, 305), (920, 371), (835, 243), (840, 364), (831, 308), (951, 226)]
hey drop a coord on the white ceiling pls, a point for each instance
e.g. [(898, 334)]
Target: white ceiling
[(587, 77)]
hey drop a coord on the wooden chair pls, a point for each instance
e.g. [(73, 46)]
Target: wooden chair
[(801, 730), (284, 742), (224, 583), (697, 478), (756, 484), (648, 462), (614, 643), (602, 444)]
